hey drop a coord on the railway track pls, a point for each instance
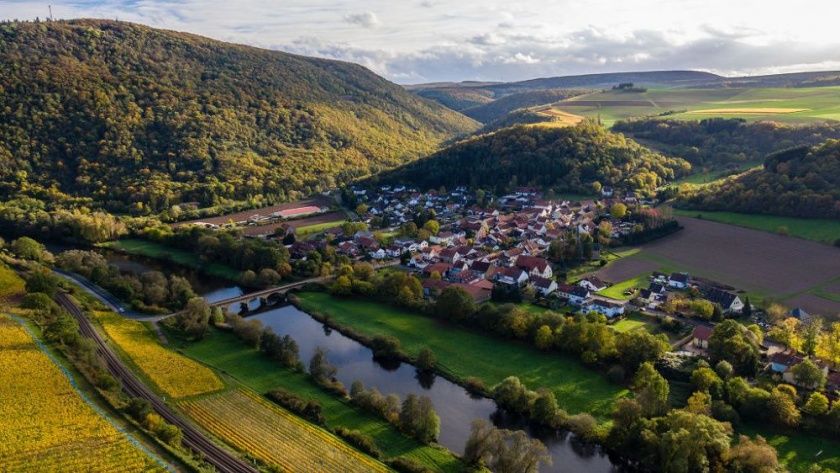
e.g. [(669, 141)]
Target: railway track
[(193, 439)]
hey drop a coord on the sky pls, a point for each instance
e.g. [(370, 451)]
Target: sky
[(417, 41)]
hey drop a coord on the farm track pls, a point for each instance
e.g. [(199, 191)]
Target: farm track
[(193, 439)]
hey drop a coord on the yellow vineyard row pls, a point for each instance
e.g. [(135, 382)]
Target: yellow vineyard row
[(45, 425), (176, 375), (259, 428)]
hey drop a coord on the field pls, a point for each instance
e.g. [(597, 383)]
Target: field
[(795, 105), (618, 290), (799, 451), (463, 353), (262, 212), (48, 427), (765, 265), (275, 436), (151, 249), (175, 375), (822, 230), (225, 352)]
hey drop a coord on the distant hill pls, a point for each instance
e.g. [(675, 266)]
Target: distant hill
[(137, 119), (564, 159), (497, 109), (457, 98), (799, 182)]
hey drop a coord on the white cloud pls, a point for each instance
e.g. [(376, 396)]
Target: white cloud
[(432, 40)]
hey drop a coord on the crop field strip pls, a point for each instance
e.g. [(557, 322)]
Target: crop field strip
[(176, 375), (49, 427), (257, 427)]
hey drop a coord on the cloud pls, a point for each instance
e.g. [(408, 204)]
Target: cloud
[(365, 19)]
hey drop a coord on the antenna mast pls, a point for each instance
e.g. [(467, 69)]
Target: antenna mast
[(50, 7)]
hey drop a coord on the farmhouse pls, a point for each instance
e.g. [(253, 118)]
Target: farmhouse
[(544, 286), (576, 295), (700, 336), (727, 301), (512, 277), (678, 280), (592, 283), (609, 308), (536, 267)]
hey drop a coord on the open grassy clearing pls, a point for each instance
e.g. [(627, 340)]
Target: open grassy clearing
[(275, 436), (151, 249), (626, 290), (49, 427), (821, 230), (174, 374), (464, 353), (795, 105), (316, 228), (223, 351), (799, 451), (634, 322)]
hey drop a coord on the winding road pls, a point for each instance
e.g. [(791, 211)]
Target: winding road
[(193, 439)]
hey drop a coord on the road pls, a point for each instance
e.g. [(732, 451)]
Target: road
[(99, 293), (193, 439)]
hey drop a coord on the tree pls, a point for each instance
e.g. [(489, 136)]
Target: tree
[(732, 342), (426, 359), (706, 380), (195, 318), (752, 456), (428, 428), (808, 374), (828, 347), (545, 408), (432, 226), (687, 442), (651, 390), (746, 311), (481, 445), (699, 403), (787, 332), (781, 408), (361, 209), (503, 451), (27, 248), (724, 369), (42, 281), (455, 304), (596, 187), (639, 346), (618, 210), (342, 287), (544, 338), (817, 404), (811, 334), (320, 368)]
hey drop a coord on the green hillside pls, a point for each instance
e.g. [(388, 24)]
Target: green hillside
[(565, 159), (134, 118)]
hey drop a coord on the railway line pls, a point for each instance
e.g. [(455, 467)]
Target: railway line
[(193, 439)]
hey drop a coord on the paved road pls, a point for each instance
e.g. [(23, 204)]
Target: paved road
[(99, 293), (193, 439)]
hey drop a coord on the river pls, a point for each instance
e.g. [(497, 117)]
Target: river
[(455, 406)]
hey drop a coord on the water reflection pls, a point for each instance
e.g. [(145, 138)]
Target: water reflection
[(456, 407)]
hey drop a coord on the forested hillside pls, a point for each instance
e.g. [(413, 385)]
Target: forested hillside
[(560, 158), (799, 182), (497, 109), (721, 142), (136, 119)]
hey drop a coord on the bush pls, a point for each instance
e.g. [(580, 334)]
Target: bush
[(386, 346), (475, 385), (308, 409), (360, 440), (407, 465), (426, 359)]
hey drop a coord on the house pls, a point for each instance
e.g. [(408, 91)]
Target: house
[(678, 280), (657, 288), (727, 301), (479, 293), (783, 363), (800, 314), (576, 295), (512, 277), (544, 286), (433, 287), (609, 308), (441, 268), (592, 283), (700, 336), (481, 267), (536, 266)]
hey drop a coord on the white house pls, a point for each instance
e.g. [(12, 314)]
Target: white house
[(512, 276), (608, 308), (536, 266), (576, 295), (592, 283), (544, 286), (727, 301)]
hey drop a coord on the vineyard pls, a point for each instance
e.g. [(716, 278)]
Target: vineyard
[(11, 285), (175, 375), (257, 427), (48, 427)]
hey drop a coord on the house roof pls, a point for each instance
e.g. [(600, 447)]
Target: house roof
[(532, 262), (679, 277), (594, 281), (542, 283), (722, 298), (786, 359), (577, 291), (702, 332)]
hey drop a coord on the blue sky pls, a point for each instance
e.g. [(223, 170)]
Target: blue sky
[(412, 41)]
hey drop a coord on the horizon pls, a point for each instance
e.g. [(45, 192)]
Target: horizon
[(428, 41)]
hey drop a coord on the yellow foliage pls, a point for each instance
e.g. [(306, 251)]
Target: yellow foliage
[(11, 285), (176, 375), (258, 427), (44, 425)]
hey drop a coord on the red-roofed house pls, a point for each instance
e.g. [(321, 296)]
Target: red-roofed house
[(536, 266)]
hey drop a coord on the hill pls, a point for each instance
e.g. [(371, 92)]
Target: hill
[(564, 159), (497, 109), (113, 113), (721, 142), (799, 182)]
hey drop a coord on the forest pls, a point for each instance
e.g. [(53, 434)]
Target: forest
[(799, 182), (127, 118), (725, 142), (565, 159)]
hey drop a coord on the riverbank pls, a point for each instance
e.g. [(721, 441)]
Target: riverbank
[(463, 354), (226, 353)]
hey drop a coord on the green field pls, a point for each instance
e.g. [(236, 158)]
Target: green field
[(463, 353), (632, 323), (317, 228), (799, 451), (822, 230), (794, 105), (617, 290), (151, 249), (225, 352)]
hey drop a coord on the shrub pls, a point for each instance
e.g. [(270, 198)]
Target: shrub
[(360, 440), (308, 409), (475, 385), (407, 465)]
